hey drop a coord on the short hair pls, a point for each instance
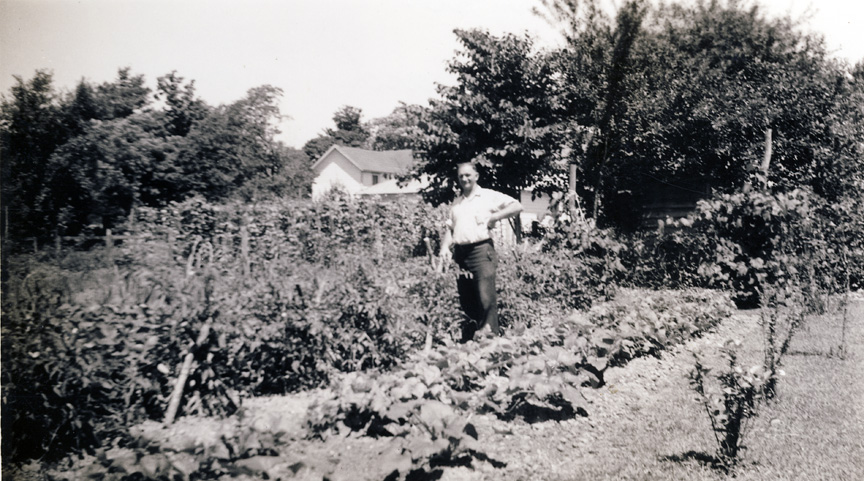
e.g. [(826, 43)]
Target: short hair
[(468, 162)]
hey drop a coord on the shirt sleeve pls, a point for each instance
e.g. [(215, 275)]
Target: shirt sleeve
[(501, 199)]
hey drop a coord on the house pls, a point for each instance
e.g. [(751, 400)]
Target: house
[(534, 207), (363, 172), (369, 172)]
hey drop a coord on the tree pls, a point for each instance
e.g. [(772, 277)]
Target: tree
[(111, 100), (349, 132), (106, 170), (233, 144), (678, 92), (124, 96), (31, 127), (293, 179), (398, 131), (505, 113), (182, 108), (597, 68)]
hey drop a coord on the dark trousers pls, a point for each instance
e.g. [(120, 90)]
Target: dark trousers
[(476, 285)]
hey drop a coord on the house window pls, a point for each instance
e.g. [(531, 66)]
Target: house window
[(374, 179)]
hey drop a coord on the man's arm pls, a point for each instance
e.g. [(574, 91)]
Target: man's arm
[(511, 209), (446, 242)]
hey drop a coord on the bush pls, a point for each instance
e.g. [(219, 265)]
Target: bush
[(730, 401), (669, 258), (573, 265)]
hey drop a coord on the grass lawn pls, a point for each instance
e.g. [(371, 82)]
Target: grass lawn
[(646, 424)]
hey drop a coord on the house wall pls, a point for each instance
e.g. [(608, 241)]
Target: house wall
[(532, 209), (337, 170), (367, 177)]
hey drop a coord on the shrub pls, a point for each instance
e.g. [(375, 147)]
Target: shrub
[(669, 257), (732, 402), (760, 239)]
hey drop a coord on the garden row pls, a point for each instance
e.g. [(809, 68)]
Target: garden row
[(420, 410)]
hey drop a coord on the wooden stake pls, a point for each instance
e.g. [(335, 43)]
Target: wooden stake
[(244, 248), (766, 160), (572, 191), (185, 369), (109, 246)]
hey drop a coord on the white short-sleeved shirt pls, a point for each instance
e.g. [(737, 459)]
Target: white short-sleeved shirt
[(469, 216)]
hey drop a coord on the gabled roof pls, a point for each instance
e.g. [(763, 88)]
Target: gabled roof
[(385, 161)]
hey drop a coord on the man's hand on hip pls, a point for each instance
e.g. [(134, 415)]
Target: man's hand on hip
[(446, 256)]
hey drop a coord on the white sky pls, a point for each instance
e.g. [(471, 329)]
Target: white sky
[(324, 54)]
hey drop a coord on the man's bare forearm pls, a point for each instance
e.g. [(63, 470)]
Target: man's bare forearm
[(446, 242), (509, 210)]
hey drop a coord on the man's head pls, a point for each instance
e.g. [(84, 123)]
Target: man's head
[(466, 175)]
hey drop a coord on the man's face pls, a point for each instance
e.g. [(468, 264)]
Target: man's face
[(467, 177)]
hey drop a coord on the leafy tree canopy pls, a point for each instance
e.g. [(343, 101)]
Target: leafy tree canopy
[(349, 132), (92, 154), (505, 113), (398, 131)]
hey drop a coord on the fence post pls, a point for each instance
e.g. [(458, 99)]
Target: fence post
[(571, 191), (244, 248), (35, 245), (109, 246), (57, 244)]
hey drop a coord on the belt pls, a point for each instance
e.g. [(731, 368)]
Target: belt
[(474, 244)]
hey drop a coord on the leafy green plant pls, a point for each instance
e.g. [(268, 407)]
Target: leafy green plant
[(540, 368), (782, 315), (731, 402), (758, 237), (669, 257)]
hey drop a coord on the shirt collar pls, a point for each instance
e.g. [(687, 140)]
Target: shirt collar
[(476, 193)]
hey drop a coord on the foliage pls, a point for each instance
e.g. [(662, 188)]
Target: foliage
[(233, 145), (97, 176), (30, 130), (561, 279), (183, 109), (732, 403), (280, 323), (503, 114), (680, 95), (750, 240), (399, 130), (349, 132), (760, 238), (667, 258), (298, 294), (91, 156), (534, 370), (76, 375)]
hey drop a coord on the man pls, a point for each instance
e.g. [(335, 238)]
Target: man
[(472, 215)]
